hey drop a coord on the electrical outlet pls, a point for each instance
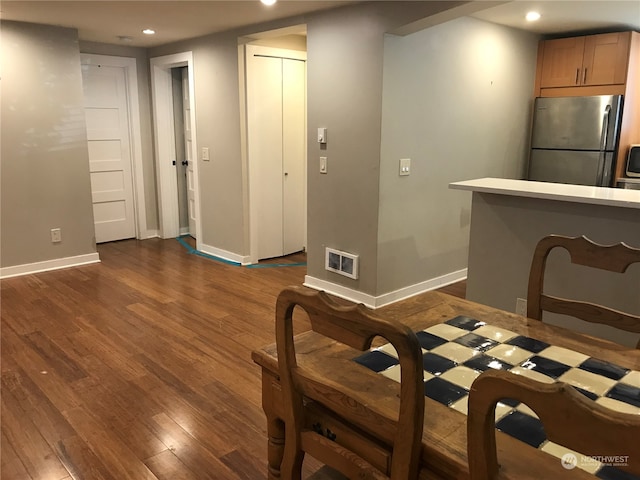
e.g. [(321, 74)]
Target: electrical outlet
[(56, 235), (521, 306)]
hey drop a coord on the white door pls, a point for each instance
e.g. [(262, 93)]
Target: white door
[(265, 152), (188, 153), (294, 154), (276, 126), (105, 99)]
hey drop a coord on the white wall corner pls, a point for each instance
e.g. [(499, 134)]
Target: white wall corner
[(387, 298), (47, 265)]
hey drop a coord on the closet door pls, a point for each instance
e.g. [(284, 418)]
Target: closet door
[(293, 154), (265, 152), (276, 134)]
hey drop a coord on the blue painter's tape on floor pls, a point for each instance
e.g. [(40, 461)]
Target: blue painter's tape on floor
[(193, 251)]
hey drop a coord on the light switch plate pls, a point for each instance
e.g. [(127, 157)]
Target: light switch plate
[(322, 135), (205, 154), (405, 167), (323, 164)]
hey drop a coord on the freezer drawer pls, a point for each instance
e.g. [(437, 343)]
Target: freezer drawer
[(578, 168)]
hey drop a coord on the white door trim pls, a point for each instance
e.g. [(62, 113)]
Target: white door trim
[(253, 180), (164, 133), (133, 110)]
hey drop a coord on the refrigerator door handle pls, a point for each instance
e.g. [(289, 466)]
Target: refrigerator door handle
[(603, 146)]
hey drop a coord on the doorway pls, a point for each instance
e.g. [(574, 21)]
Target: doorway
[(114, 143), (276, 139), (184, 159), (169, 166)]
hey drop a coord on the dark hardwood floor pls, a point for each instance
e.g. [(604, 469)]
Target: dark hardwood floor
[(138, 367)]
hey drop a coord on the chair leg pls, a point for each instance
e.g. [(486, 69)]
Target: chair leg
[(275, 446), (291, 468)]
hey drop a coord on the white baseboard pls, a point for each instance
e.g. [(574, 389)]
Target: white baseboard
[(184, 231), (224, 254), (47, 265), (340, 291), (147, 234), (372, 301)]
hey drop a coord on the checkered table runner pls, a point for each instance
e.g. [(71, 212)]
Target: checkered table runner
[(457, 351)]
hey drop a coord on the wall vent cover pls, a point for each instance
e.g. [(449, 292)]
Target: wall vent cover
[(341, 262)]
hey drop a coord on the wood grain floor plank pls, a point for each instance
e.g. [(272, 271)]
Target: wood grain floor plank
[(199, 460), (37, 456), (116, 456), (36, 406), (243, 464), (55, 357), (11, 467), (81, 462), (166, 466), (211, 427), (139, 367)]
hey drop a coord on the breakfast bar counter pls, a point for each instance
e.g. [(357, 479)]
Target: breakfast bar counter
[(613, 197), (508, 218)]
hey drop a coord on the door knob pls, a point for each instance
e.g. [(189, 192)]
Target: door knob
[(185, 162), (285, 174)]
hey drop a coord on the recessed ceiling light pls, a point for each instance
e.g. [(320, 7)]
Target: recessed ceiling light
[(268, 2), (148, 31), (532, 16)]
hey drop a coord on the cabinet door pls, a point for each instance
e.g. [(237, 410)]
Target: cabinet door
[(605, 59), (562, 62)]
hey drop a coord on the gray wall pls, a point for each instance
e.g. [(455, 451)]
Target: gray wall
[(457, 101), (372, 95), (45, 162), (345, 51), (222, 199), (144, 99), (504, 232)]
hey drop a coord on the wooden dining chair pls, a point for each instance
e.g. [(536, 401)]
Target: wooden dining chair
[(303, 386), (614, 258), (569, 418)]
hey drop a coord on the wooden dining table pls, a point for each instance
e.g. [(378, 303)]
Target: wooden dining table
[(444, 449)]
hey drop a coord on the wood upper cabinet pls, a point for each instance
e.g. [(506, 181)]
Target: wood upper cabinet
[(585, 61), (605, 58), (562, 62)]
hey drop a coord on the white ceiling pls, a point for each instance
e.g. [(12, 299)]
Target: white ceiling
[(563, 16), (107, 20)]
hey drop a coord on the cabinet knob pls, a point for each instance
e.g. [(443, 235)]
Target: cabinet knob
[(577, 75), (584, 79)]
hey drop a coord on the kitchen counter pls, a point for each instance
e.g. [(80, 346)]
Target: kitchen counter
[(509, 217), (615, 197)]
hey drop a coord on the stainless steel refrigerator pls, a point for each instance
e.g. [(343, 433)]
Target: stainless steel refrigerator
[(575, 139)]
